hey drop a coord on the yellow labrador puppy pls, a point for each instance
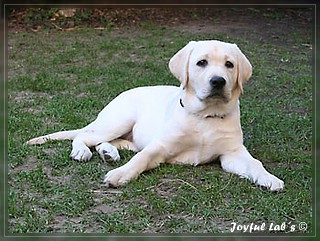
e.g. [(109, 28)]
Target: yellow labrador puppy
[(191, 124)]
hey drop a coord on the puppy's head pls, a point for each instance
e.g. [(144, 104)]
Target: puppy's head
[(212, 70)]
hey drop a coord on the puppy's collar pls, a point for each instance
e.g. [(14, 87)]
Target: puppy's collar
[(216, 116), (207, 116), (181, 103)]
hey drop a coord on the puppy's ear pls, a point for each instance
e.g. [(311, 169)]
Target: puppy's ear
[(179, 63), (244, 69)]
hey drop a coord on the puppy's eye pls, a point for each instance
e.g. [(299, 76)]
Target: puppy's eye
[(202, 63), (229, 65)]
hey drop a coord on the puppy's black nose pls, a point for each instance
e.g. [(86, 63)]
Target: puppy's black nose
[(217, 82)]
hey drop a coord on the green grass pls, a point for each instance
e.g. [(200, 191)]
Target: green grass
[(61, 80)]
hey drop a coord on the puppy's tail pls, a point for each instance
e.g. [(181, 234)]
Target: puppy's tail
[(59, 136)]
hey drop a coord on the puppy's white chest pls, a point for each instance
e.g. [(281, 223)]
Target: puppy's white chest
[(205, 142)]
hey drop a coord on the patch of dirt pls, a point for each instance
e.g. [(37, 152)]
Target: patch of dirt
[(100, 195), (57, 179), (260, 22), (103, 208), (59, 222), (30, 164), (23, 96), (64, 224), (167, 188), (262, 25)]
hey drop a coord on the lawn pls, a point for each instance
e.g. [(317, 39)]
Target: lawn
[(59, 80)]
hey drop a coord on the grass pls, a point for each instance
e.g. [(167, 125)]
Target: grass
[(61, 80)]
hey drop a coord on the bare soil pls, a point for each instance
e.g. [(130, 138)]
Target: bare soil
[(268, 23)]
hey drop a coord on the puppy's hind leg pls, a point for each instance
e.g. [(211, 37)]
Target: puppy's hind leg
[(124, 144), (82, 142), (103, 140), (110, 150), (114, 121)]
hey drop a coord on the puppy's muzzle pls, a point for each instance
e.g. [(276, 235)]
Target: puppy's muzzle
[(217, 84)]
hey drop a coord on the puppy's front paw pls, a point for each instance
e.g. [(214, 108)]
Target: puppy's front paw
[(81, 153), (120, 176), (270, 181), (276, 185)]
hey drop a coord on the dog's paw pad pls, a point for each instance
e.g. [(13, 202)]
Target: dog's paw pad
[(106, 155), (108, 152)]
